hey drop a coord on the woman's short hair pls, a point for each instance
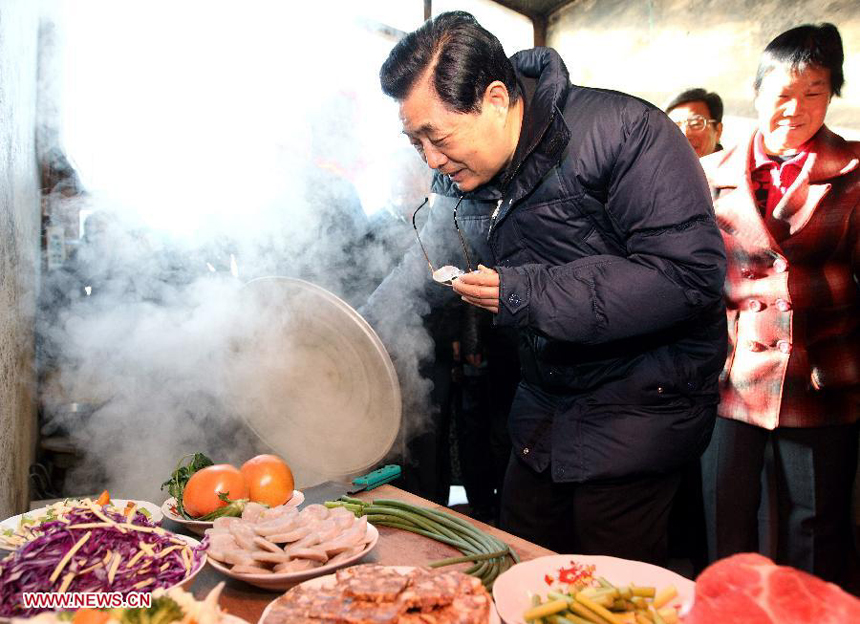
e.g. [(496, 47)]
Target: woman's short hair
[(713, 101), (463, 56), (800, 47)]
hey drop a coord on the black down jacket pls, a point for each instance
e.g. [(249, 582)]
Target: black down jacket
[(611, 266)]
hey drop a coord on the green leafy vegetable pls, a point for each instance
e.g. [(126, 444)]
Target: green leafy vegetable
[(163, 611), (176, 483), (232, 508)]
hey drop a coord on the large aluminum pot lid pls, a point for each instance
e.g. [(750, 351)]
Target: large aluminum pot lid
[(317, 384)]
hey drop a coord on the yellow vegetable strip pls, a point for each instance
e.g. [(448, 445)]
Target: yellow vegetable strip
[(185, 558), (670, 614), (100, 564), (657, 617), (98, 513), (121, 527), (67, 580), (65, 560), (597, 608), (168, 550), (113, 567), (143, 583), (567, 619), (664, 596), (548, 608), (135, 559), (588, 614)]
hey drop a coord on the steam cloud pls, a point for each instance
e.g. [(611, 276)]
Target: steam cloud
[(214, 144)]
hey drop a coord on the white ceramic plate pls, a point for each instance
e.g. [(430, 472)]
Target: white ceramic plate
[(330, 579), (186, 582), (168, 508), (155, 516), (285, 580), (514, 588)]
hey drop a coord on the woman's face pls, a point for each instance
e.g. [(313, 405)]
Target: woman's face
[(791, 107)]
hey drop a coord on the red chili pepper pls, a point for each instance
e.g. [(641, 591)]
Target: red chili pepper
[(574, 573), (548, 579)]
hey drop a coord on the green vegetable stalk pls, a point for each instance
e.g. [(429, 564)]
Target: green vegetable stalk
[(490, 556)]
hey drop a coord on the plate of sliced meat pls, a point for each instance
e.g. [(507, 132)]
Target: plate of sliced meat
[(171, 512), (384, 595), (279, 547)]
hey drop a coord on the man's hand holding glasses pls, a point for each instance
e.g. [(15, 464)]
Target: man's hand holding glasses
[(480, 288)]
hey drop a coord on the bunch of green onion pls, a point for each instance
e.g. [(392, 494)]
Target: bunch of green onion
[(490, 556)]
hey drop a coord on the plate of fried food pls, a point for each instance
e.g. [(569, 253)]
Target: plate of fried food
[(387, 595), (278, 547)]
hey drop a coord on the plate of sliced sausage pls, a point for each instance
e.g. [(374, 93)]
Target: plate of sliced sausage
[(279, 547)]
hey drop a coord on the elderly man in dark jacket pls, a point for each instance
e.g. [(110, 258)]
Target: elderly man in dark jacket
[(593, 211)]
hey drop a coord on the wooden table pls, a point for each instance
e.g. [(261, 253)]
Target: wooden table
[(395, 547)]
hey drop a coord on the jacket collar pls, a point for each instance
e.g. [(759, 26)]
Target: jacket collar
[(544, 83), (829, 156)]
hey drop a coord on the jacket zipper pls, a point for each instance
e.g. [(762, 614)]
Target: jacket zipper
[(493, 217)]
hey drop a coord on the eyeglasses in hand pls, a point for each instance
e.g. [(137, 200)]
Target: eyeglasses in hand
[(444, 275), (695, 123)]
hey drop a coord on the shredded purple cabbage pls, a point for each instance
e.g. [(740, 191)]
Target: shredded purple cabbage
[(28, 569)]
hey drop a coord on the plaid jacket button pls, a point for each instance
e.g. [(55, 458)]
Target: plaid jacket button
[(754, 305), (780, 265), (783, 305), (784, 346), (747, 273), (753, 345)]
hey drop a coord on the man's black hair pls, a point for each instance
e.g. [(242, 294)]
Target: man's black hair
[(713, 101), (463, 56), (818, 45)]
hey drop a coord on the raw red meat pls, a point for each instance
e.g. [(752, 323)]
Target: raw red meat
[(751, 589)]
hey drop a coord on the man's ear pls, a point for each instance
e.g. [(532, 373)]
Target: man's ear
[(497, 96), (719, 129)]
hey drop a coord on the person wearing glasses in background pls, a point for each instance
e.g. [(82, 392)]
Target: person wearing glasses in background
[(788, 204), (699, 115), (595, 217)]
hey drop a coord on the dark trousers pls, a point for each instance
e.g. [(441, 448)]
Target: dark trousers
[(814, 475), (484, 444), (427, 463), (622, 518)]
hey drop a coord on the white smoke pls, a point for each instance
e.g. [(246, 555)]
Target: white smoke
[(217, 142)]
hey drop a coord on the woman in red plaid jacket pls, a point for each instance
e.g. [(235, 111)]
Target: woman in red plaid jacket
[(788, 204)]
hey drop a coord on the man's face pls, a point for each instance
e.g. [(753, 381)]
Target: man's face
[(470, 148), (791, 107), (690, 116)]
